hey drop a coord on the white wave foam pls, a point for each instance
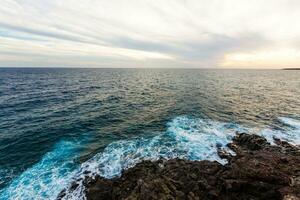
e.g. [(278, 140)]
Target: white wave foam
[(290, 133), (188, 138), (290, 122), (193, 139), (47, 178)]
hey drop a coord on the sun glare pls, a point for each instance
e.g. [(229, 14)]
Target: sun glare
[(267, 58)]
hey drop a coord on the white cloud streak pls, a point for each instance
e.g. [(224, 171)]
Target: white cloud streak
[(149, 33)]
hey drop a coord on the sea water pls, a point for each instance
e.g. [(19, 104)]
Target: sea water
[(58, 124)]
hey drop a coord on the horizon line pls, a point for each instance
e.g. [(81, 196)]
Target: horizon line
[(193, 68)]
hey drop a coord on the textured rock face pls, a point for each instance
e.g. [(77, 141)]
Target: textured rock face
[(258, 171)]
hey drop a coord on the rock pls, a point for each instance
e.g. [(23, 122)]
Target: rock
[(93, 192), (251, 142), (224, 154), (258, 171)]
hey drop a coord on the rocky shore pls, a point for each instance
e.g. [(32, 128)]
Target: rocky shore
[(257, 171)]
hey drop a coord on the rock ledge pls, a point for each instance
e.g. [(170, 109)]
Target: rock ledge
[(258, 171)]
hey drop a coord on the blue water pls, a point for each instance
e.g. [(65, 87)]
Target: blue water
[(57, 123)]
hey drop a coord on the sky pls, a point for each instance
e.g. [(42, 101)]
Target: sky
[(150, 33)]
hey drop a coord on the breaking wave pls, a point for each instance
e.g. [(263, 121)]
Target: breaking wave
[(290, 131), (187, 138), (48, 177)]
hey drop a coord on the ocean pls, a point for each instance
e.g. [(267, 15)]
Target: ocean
[(57, 124)]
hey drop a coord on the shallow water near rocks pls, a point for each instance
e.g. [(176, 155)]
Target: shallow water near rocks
[(58, 123)]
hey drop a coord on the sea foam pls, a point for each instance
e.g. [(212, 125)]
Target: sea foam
[(290, 131), (185, 137), (193, 139), (48, 177)]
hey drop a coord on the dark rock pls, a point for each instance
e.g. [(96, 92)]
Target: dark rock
[(251, 142), (258, 171), (93, 192), (74, 186), (224, 154), (219, 145)]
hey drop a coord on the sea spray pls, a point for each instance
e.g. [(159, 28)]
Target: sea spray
[(48, 177), (289, 131), (185, 137)]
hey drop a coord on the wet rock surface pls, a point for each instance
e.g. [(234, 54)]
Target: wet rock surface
[(258, 171)]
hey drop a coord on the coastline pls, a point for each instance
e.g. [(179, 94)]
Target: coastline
[(291, 69), (259, 170)]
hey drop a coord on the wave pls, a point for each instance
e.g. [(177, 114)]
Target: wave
[(193, 139), (290, 122), (290, 131), (48, 177), (187, 138)]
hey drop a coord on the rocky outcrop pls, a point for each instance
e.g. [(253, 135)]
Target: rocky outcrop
[(258, 171)]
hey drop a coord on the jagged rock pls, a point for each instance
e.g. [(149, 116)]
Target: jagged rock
[(250, 142), (258, 171)]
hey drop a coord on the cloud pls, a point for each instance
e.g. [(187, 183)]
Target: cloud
[(169, 33)]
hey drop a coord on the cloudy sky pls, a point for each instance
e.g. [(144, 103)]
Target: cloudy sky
[(150, 33)]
